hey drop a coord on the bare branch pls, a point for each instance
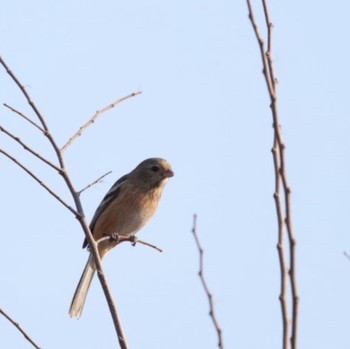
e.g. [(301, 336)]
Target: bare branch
[(346, 255), (149, 245), (132, 238), (282, 193), (93, 119), (205, 285), (37, 179), (98, 180), (24, 117), (19, 327), (30, 150), (79, 212)]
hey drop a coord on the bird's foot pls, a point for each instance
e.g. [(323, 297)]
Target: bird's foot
[(133, 240), (114, 237)]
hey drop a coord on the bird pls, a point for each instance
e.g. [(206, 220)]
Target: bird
[(126, 208)]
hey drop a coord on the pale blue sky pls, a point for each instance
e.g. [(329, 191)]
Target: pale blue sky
[(205, 108)]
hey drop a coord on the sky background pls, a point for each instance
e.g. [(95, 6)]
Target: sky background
[(204, 108)]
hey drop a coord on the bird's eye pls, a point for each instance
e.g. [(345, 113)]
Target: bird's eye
[(155, 168)]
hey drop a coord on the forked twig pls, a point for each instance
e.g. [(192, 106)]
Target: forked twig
[(205, 285), (93, 119), (282, 194), (20, 329)]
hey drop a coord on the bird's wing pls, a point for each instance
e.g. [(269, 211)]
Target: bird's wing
[(109, 197)]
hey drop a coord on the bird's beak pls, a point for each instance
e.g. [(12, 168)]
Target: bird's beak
[(168, 173)]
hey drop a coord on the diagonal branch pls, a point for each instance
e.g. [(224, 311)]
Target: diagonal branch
[(205, 285), (24, 117), (37, 179), (29, 149), (93, 119), (20, 329)]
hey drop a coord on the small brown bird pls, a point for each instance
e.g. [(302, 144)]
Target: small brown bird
[(125, 209)]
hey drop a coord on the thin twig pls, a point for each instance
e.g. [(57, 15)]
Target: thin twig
[(37, 179), (205, 285), (93, 119), (346, 255), (29, 149), (24, 117), (19, 327), (149, 245), (98, 180), (282, 193)]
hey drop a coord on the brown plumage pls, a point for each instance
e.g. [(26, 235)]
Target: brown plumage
[(125, 209)]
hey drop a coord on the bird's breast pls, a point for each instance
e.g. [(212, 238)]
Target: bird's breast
[(127, 214)]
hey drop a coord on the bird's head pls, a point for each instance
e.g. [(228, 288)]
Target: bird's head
[(153, 172)]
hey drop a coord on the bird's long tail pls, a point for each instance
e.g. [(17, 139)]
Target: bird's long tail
[(78, 301)]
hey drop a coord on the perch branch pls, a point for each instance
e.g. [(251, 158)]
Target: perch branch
[(205, 285), (93, 119), (133, 239), (20, 329)]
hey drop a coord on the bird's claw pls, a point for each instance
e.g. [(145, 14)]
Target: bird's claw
[(133, 240), (114, 237)]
